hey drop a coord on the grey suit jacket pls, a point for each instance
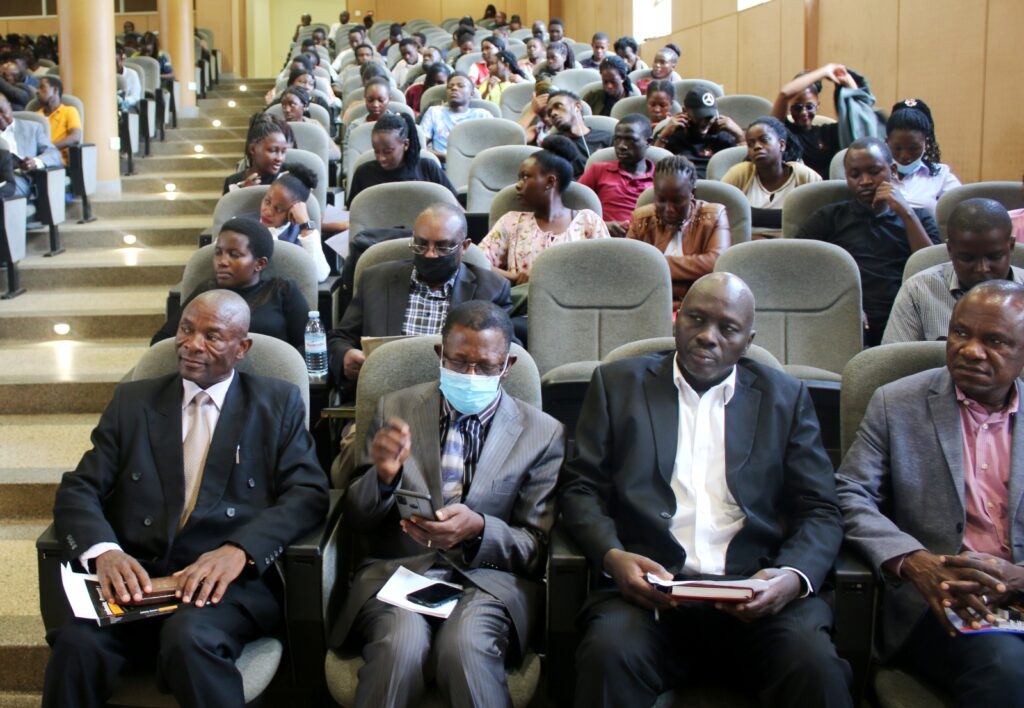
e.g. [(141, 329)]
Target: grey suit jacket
[(514, 490), (901, 487), (34, 142)]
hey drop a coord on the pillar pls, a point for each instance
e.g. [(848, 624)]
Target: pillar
[(87, 71), (176, 38)]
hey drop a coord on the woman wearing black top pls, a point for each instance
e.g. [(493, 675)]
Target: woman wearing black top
[(265, 146), (396, 146), (241, 252)]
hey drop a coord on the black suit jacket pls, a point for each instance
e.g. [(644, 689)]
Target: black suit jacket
[(129, 488), (378, 310), (616, 490)]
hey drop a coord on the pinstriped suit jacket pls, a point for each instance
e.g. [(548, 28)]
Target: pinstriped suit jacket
[(513, 489)]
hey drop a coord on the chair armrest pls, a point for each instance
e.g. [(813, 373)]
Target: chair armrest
[(53, 604), (854, 603), (82, 168), (173, 306), (568, 584), (50, 194)]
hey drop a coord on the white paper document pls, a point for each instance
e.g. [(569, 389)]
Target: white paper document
[(403, 582), (77, 592), (757, 585)]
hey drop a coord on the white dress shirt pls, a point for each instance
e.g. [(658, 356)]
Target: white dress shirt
[(217, 393), (7, 140)]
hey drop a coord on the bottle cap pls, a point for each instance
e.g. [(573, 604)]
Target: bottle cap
[(314, 313)]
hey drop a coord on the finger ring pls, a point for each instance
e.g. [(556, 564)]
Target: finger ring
[(984, 599), (430, 543)]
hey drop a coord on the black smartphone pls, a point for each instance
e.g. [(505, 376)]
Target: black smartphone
[(434, 595), (412, 503)]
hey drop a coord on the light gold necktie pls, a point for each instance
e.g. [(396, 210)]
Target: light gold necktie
[(196, 445)]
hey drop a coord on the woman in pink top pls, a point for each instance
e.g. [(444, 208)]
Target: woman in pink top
[(519, 236), (1017, 217)]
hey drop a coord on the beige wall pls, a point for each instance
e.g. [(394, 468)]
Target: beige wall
[(144, 22)]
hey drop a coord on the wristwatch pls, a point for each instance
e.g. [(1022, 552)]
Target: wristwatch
[(308, 226)]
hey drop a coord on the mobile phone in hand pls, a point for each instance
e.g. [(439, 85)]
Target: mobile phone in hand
[(434, 595)]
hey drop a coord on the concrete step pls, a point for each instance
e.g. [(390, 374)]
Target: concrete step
[(145, 206), (229, 117), (208, 131), (111, 232), (23, 649), (192, 162), (20, 699), (82, 268), (250, 101), (91, 313), (205, 180), (214, 143)]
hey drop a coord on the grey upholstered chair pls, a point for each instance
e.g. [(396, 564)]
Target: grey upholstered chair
[(654, 154), (246, 202), (515, 99), (600, 122), (398, 249), (473, 136), (433, 96), (686, 85), (736, 205), (316, 164), (723, 160), (807, 296), (359, 110), (575, 79), (489, 106), (492, 170), (801, 203), (636, 104), (577, 196), (934, 255), (1009, 194), (316, 112), (394, 205), (744, 109), (837, 167), (311, 137), (664, 344), (464, 62)]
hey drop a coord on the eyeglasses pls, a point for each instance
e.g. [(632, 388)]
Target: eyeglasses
[(420, 246), (467, 367), (800, 107)]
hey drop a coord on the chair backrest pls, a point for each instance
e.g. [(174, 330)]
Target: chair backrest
[(807, 296), (246, 201), (394, 205), (473, 136), (358, 94), (467, 60), (289, 261), (934, 255), (600, 122), (433, 96), (589, 297), (515, 99), (1009, 194), (801, 203), (34, 117), (876, 367), (67, 100), (368, 156), (636, 104), (577, 196), (360, 110), (316, 112), (744, 109), (654, 154), (722, 160), (268, 356), (686, 85), (393, 55), (397, 249), (737, 207), (489, 106), (666, 344), (311, 137), (575, 79), (316, 164), (540, 67), (522, 34), (150, 71), (492, 170), (407, 362), (837, 167)]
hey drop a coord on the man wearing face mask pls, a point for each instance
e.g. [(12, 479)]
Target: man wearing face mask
[(489, 463), (411, 297)]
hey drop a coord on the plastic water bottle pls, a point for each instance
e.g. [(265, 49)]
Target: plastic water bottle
[(316, 347)]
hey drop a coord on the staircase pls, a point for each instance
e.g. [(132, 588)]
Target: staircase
[(109, 289)]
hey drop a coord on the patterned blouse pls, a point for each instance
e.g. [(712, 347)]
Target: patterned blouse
[(516, 240)]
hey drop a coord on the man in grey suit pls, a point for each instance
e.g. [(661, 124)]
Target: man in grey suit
[(930, 492), (490, 471), (30, 143)]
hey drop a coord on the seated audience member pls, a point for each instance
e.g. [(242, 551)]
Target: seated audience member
[(797, 105), (876, 226), (128, 27), (663, 69), (690, 232), (980, 246), (599, 50), (464, 41), (132, 84), (295, 108), (769, 173), (376, 99), (564, 111), (699, 463), (491, 542), (661, 94), (619, 183), (241, 252), (343, 19), (394, 37), (266, 143), (699, 131), (535, 54), (1017, 217), (438, 121), (615, 85), (519, 237), (556, 30), (27, 141), (559, 57), (152, 500), (436, 74), (413, 296), (150, 47), (515, 23), (65, 123), (502, 72), (927, 492), (356, 38), (396, 151), (299, 66), (479, 72), (283, 211), (626, 48), (410, 52), (13, 86), (534, 119), (921, 175), (539, 30)]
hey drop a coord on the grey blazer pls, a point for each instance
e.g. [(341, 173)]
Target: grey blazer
[(901, 487), (33, 142), (514, 489)]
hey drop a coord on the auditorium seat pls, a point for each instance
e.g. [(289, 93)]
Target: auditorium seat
[(736, 204), (723, 160), (491, 170), (1009, 194), (934, 255), (744, 109), (468, 139), (636, 104), (577, 196)]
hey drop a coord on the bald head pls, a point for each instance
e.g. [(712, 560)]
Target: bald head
[(1004, 295), (727, 287), (212, 337), (979, 215), (229, 305), (714, 328)]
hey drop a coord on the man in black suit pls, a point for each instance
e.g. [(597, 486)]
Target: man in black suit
[(206, 476), (413, 296), (700, 463)]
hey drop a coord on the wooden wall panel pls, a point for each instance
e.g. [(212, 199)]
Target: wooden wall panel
[(688, 40), (714, 9), (1002, 149), (718, 52), (758, 45), (792, 44), (685, 14), (863, 35)]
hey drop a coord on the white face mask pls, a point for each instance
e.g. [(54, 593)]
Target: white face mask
[(911, 168)]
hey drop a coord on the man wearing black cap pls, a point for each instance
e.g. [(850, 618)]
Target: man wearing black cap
[(699, 131)]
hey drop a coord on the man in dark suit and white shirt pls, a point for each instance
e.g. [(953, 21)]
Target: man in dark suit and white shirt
[(489, 463), (413, 296), (30, 142), (206, 475), (931, 493), (702, 463)]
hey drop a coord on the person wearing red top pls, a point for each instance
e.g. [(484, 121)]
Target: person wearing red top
[(619, 184)]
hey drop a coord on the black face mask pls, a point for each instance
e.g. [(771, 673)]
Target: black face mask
[(434, 271)]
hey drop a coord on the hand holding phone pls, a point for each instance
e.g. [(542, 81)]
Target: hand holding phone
[(412, 503)]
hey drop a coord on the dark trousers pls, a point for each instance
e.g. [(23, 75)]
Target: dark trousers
[(627, 658), (977, 669), (194, 651)]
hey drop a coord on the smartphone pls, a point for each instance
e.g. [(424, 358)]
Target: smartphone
[(412, 503), (434, 595)]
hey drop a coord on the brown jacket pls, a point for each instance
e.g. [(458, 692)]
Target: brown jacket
[(706, 234)]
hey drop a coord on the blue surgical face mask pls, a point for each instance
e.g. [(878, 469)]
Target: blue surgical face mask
[(911, 168), (469, 393)]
